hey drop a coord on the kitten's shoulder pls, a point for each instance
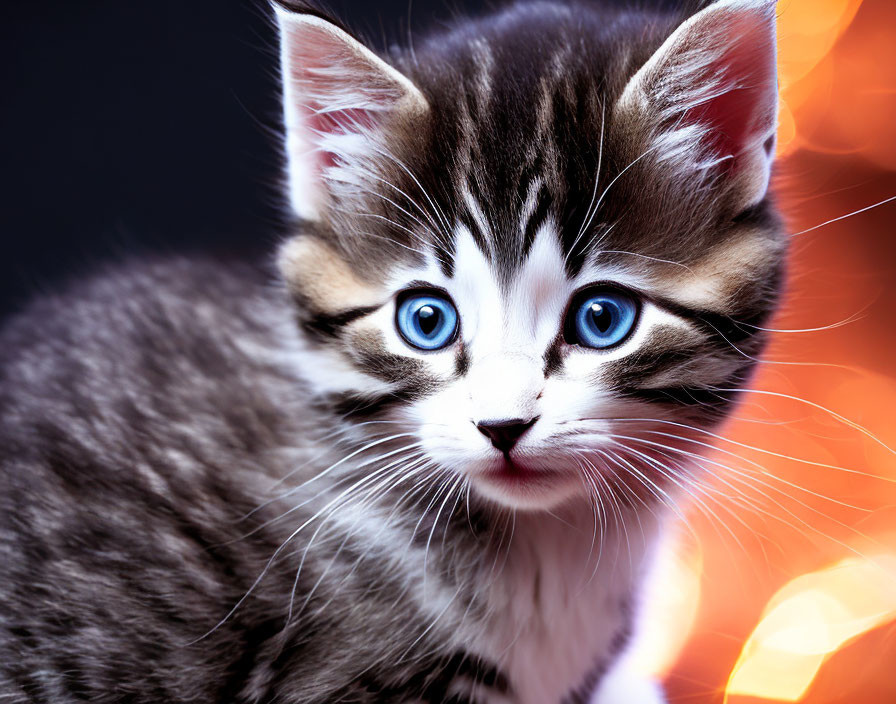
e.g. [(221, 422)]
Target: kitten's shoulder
[(139, 413), (140, 305)]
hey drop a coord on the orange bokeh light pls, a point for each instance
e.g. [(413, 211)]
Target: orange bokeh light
[(808, 620)]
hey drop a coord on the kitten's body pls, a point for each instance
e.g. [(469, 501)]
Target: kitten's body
[(217, 486), (131, 467)]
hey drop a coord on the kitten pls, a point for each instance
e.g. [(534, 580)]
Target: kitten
[(530, 263)]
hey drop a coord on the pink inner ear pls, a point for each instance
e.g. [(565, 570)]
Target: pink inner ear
[(745, 73), (327, 77), (349, 121)]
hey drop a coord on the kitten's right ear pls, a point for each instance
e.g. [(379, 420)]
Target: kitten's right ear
[(339, 98)]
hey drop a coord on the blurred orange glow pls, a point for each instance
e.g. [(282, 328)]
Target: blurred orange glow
[(838, 96), (807, 30), (810, 618), (797, 554)]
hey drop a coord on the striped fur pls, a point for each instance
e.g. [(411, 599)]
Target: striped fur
[(214, 489)]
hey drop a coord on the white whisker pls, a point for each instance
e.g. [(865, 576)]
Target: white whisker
[(844, 217)]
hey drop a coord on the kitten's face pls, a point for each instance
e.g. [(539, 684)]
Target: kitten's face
[(537, 276)]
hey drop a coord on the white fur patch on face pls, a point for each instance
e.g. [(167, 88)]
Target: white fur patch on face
[(507, 325), (506, 329), (513, 326)]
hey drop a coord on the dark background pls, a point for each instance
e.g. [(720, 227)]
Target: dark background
[(142, 126), (132, 126)]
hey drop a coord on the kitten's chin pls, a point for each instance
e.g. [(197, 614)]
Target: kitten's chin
[(522, 486)]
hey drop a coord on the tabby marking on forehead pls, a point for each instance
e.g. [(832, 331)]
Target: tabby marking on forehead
[(480, 220), (533, 193), (485, 62)]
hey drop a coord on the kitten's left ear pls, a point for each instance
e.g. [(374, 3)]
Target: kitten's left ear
[(339, 97), (710, 97)]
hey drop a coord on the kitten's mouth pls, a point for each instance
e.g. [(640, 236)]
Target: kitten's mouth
[(516, 472), (522, 483)]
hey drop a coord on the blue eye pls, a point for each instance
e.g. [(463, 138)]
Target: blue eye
[(601, 318), (426, 320)]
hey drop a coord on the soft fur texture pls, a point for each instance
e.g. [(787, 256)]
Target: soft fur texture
[(221, 485)]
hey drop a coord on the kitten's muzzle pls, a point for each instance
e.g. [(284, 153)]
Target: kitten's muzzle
[(504, 434)]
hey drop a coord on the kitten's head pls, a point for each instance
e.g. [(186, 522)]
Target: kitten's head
[(541, 246)]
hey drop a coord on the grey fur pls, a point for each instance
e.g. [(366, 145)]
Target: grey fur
[(143, 424)]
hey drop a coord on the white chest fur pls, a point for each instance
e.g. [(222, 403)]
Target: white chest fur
[(561, 606)]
